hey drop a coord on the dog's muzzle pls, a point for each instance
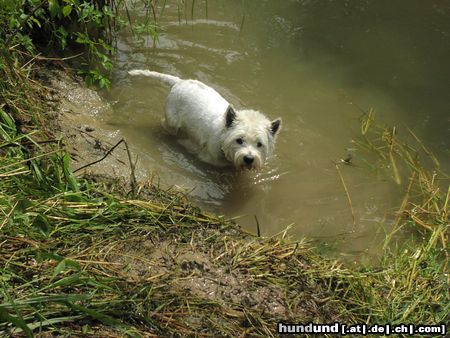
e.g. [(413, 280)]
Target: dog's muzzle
[(248, 160)]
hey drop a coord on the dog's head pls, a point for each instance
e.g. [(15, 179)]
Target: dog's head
[(249, 138)]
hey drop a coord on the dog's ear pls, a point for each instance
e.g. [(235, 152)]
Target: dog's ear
[(230, 116), (275, 126)]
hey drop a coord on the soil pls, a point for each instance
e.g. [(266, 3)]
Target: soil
[(78, 110)]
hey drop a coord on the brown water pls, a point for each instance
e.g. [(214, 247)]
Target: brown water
[(317, 64)]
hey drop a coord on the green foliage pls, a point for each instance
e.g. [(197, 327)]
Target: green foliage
[(68, 24), (146, 29)]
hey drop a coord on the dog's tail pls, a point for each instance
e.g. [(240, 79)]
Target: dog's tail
[(168, 79)]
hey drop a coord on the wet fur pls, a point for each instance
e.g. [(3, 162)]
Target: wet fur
[(208, 126)]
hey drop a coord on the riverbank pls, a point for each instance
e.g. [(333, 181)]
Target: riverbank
[(93, 256)]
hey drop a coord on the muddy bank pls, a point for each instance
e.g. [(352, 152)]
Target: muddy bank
[(94, 148)]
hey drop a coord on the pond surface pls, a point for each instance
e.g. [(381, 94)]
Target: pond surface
[(317, 64)]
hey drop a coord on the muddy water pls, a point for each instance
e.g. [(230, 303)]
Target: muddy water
[(316, 64)]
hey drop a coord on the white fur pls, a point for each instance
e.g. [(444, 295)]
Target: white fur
[(209, 127)]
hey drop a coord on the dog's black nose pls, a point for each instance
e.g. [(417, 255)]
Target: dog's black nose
[(248, 159)]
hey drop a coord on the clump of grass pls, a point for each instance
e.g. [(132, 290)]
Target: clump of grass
[(424, 208), (410, 284), (79, 256)]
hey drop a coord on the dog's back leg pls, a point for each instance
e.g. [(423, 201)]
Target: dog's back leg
[(169, 128)]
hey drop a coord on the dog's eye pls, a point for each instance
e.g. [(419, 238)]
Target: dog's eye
[(259, 144), (239, 141)]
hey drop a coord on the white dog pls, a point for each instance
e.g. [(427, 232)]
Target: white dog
[(208, 126)]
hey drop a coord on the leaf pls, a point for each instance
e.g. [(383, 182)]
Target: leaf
[(36, 21), (103, 82), (41, 222), (67, 10), (53, 321), (59, 268), (37, 172), (62, 34), (43, 255), (63, 265), (53, 8), (82, 38), (6, 118), (5, 316), (104, 318), (71, 179), (46, 299), (22, 205), (71, 280)]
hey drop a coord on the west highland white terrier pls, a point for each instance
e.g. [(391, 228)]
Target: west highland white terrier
[(208, 126)]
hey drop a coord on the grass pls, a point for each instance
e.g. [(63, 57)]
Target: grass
[(73, 258), (424, 208), (413, 277)]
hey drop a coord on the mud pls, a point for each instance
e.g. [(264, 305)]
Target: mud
[(85, 136), (186, 270)]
